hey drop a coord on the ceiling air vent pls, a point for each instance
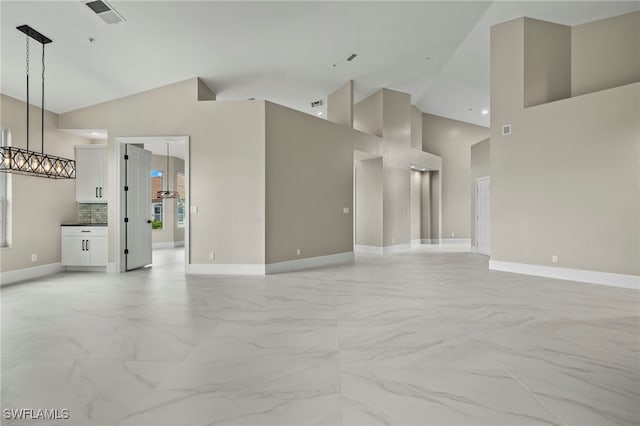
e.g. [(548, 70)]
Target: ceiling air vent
[(317, 103), (104, 10)]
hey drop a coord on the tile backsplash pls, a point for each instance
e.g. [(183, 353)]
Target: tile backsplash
[(91, 212)]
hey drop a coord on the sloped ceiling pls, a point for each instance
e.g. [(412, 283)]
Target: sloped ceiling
[(281, 51)]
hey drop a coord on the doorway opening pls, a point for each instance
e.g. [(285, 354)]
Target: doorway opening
[(150, 229)]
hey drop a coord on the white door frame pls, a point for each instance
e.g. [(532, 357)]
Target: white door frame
[(478, 180), (119, 194)]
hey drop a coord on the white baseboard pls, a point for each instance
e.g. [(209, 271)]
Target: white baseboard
[(86, 268), (416, 242), (18, 275), (167, 244), (582, 275), (368, 249), (453, 241), (225, 269), (309, 262), (398, 248), (426, 241)]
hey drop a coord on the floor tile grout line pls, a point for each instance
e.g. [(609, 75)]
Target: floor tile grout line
[(526, 388)]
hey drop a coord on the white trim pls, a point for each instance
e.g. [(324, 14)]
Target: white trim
[(225, 269), (416, 242), (367, 249), (86, 268), (582, 275), (167, 244), (398, 248), (425, 241), (309, 262), (454, 241), (18, 275)]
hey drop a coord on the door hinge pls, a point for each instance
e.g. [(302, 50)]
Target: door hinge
[(126, 157), (126, 251), (126, 188), (126, 219)]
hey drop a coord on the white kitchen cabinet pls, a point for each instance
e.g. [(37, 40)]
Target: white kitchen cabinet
[(84, 245), (91, 173)]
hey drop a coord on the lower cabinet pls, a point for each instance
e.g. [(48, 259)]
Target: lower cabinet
[(84, 246)]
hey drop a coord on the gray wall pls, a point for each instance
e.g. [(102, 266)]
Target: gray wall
[(369, 202), (480, 167), (34, 229), (309, 181), (451, 140), (396, 130), (566, 182), (227, 166), (605, 54), (367, 114), (547, 62), (340, 105)]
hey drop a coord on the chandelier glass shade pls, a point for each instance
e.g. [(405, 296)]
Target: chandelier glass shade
[(25, 161)]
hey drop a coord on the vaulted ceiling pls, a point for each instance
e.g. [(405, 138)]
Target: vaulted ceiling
[(291, 53)]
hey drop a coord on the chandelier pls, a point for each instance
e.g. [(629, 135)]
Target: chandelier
[(32, 163), (166, 193)]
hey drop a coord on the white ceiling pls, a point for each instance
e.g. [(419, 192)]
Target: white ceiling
[(280, 51)]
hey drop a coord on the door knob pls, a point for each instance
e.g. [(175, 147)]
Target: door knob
[(148, 221)]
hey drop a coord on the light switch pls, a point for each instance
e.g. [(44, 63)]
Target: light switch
[(345, 210), (194, 209)]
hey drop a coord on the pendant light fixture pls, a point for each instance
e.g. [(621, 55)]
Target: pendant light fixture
[(24, 161), (167, 193)]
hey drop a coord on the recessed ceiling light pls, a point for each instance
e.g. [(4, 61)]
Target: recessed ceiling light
[(95, 134), (320, 112), (485, 111)]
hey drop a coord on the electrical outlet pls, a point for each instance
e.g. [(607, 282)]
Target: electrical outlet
[(453, 234), (554, 259), (298, 252), (345, 210), (212, 256), (194, 209), (34, 257)]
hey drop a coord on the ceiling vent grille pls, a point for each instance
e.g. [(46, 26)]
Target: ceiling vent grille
[(317, 103), (104, 10)]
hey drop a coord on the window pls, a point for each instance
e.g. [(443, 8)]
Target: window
[(157, 210), (4, 195), (180, 201)]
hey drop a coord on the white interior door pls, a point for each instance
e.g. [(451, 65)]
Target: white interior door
[(137, 211), (483, 215)]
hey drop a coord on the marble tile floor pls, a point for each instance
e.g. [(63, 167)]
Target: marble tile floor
[(429, 337)]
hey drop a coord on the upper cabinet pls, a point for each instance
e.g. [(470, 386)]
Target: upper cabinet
[(91, 173)]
